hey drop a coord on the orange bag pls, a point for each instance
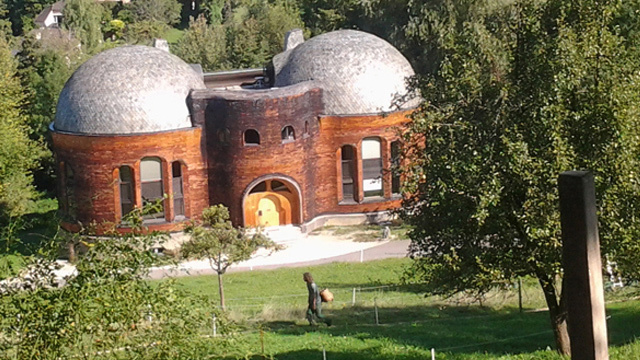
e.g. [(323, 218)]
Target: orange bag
[(326, 295)]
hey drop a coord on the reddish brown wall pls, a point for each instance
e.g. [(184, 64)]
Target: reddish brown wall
[(96, 160), (336, 131), (233, 167), (312, 161)]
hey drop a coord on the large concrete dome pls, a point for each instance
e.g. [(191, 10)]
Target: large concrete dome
[(127, 90), (359, 72)]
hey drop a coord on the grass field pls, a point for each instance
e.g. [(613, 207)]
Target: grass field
[(409, 324)]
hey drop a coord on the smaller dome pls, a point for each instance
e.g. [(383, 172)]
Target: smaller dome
[(127, 90), (360, 73)]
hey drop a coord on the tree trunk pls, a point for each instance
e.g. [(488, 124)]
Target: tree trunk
[(558, 315), (221, 290)]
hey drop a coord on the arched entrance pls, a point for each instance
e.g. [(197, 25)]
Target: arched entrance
[(272, 202)]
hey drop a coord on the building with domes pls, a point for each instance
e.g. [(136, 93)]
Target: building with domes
[(310, 142)]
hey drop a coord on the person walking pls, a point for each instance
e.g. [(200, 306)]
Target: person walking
[(315, 301)]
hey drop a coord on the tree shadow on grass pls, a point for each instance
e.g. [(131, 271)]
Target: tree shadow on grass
[(455, 330)]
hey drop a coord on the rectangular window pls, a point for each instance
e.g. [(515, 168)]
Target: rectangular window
[(348, 173), (395, 167), (178, 195), (371, 167), (151, 188), (126, 190)]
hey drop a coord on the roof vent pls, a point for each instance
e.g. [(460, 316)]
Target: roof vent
[(161, 44), (293, 38)]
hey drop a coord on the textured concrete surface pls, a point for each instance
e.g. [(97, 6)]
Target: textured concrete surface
[(313, 250)]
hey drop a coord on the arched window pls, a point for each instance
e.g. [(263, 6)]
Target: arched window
[(371, 167), (251, 137), (287, 134), (348, 173), (395, 167), (151, 186), (70, 191), (178, 194), (126, 189)]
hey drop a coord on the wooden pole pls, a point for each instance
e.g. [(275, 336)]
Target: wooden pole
[(375, 305), (520, 294), (583, 286)]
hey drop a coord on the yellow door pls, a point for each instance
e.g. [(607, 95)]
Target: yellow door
[(269, 211)]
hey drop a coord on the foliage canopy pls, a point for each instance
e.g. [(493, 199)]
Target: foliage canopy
[(524, 91)]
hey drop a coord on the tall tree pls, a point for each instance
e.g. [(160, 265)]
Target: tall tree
[(44, 67), (163, 11), (18, 153), (203, 44), (83, 18), (255, 32), (216, 240), (524, 91), (22, 14)]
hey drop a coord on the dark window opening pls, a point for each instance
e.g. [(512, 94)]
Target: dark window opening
[(178, 194), (306, 127), (287, 134), (126, 190), (279, 186), (395, 167), (348, 173), (151, 188), (251, 137), (261, 187)]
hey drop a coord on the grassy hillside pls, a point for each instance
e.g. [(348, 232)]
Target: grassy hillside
[(270, 305)]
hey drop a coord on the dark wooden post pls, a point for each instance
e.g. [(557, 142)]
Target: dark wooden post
[(582, 266)]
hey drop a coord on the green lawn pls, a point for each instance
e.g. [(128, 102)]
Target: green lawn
[(173, 35), (409, 323)]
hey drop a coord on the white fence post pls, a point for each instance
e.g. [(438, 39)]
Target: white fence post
[(353, 297), (433, 354), (214, 325)]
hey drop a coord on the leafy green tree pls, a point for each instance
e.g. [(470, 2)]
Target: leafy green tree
[(18, 154), (44, 67), (525, 90), (5, 24), (213, 11), (106, 308), (203, 44), (143, 32), (255, 32), (215, 239), (22, 14), (83, 18), (163, 11)]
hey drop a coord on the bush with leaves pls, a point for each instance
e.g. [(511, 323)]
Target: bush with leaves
[(107, 308), (216, 240)]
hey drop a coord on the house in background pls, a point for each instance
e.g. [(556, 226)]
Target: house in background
[(51, 16)]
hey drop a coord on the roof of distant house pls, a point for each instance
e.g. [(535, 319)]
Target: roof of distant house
[(55, 7)]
